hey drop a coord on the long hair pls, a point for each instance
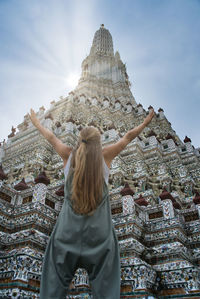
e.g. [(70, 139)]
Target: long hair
[(87, 165)]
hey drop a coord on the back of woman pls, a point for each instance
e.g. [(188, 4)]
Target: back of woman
[(84, 234)]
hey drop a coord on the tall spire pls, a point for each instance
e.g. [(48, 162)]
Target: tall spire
[(103, 72), (102, 42)]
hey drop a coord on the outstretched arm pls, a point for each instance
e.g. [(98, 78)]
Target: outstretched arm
[(62, 149), (111, 151)]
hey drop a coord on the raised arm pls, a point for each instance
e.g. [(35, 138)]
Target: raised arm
[(111, 151), (62, 149)]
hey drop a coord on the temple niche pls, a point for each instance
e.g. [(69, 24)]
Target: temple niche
[(154, 188)]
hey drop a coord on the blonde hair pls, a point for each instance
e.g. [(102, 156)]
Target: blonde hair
[(87, 162)]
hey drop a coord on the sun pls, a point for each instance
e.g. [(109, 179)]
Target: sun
[(72, 80)]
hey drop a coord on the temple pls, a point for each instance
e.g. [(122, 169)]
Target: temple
[(154, 188)]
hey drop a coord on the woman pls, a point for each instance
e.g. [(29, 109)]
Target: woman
[(84, 235)]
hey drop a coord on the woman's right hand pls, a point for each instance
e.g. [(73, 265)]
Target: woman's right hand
[(35, 121), (149, 117)]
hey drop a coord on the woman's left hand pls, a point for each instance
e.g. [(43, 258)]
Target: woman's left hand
[(149, 117)]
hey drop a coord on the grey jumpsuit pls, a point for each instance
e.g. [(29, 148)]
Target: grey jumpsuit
[(82, 241)]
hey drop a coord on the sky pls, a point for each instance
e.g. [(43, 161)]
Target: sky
[(43, 43)]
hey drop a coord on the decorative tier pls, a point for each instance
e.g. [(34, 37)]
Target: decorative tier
[(60, 191), (141, 201), (42, 178), (3, 176), (21, 185), (127, 190)]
